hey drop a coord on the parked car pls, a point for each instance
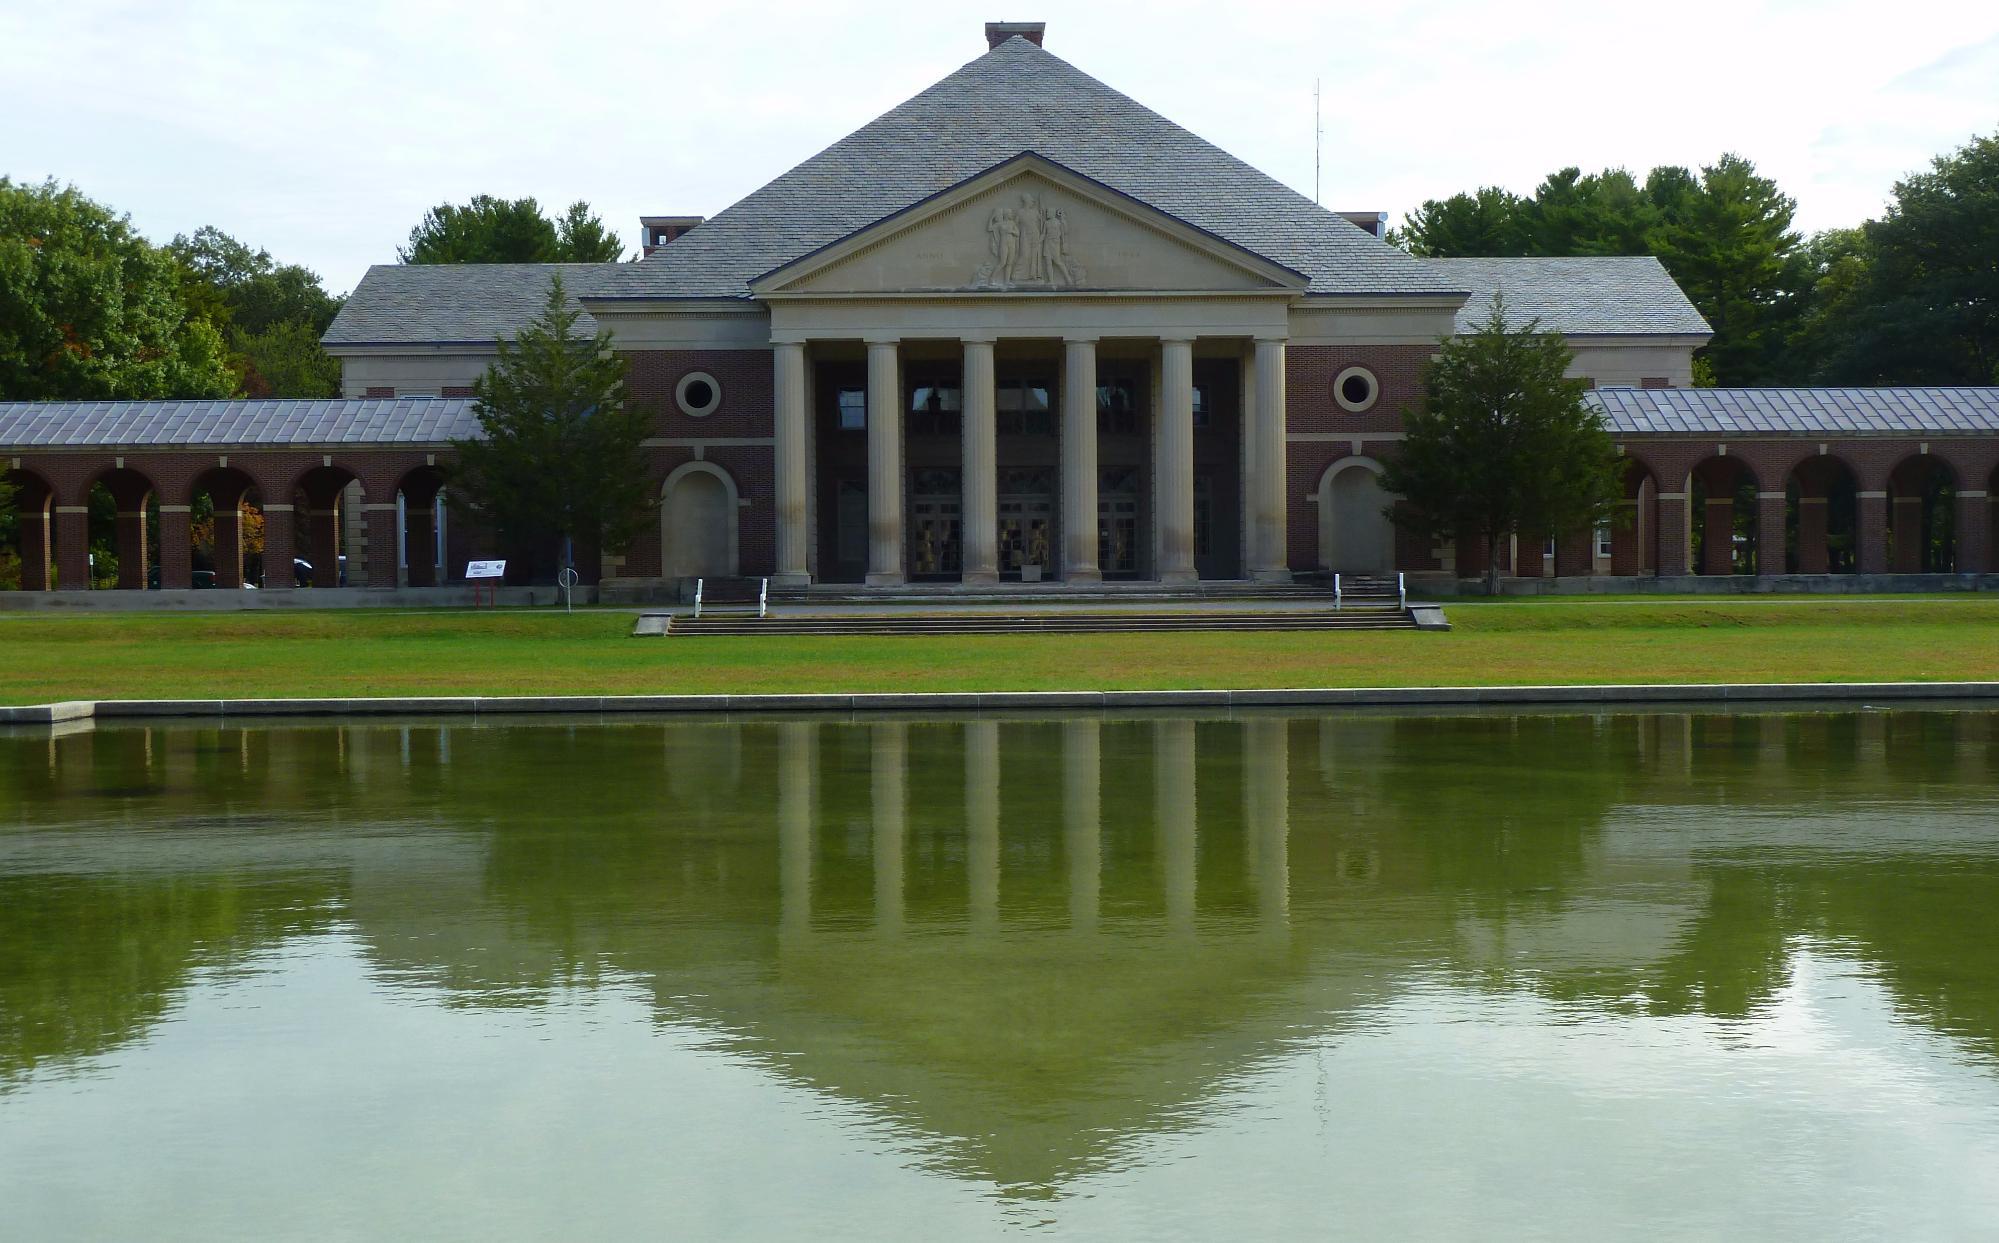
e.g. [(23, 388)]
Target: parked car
[(302, 571)]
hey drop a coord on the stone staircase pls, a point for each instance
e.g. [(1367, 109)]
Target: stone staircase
[(1372, 603)]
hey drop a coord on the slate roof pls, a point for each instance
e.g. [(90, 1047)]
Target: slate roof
[(1594, 295), (1799, 411), (452, 303), (1017, 97), (332, 421)]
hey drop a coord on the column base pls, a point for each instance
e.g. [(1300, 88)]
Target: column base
[(886, 580), (1180, 576), (791, 580), (1279, 575), (980, 578), (1080, 575)]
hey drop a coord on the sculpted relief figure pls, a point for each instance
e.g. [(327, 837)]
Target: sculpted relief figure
[(1003, 239), (1027, 245)]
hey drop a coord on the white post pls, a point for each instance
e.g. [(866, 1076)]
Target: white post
[(1267, 486), (1175, 455)]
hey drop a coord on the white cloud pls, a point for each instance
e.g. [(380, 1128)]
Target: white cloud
[(323, 132)]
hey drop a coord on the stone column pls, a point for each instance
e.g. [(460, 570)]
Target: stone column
[(131, 541), (36, 564), (1173, 788), (978, 486), (1079, 461), (1675, 534), (1266, 790), (72, 541), (982, 825), (1770, 510), (1269, 555), (1814, 526), (279, 547), (888, 772), (1907, 526), (1718, 536), (885, 540), (1174, 452), (1082, 817), (792, 454), (380, 530), (797, 774), (176, 547), (1974, 532), (1871, 531)]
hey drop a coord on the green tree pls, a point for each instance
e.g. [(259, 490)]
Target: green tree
[(1502, 443), (492, 230), (1930, 307), (271, 314), (1730, 245), (1484, 224), (1724, 234), (88, 309), (285, 360), (562, 453)]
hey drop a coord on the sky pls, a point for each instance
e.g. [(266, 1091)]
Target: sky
[(323, 132)]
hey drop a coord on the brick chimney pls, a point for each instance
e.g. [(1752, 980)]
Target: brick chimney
[(999, 32)]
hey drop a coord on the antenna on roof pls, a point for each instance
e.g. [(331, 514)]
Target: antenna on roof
[(1318, 134)]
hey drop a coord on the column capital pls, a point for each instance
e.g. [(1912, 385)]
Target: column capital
[(1186, 341), (1272, 338), (978, 338), (1080, 338), (787, 338), (875, 341)]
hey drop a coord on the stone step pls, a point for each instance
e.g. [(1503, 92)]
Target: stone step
[(888, 624)]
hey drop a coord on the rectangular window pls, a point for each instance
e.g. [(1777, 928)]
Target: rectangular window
[(1603, 540), (1201, 413), (853, 403), (935, 410)]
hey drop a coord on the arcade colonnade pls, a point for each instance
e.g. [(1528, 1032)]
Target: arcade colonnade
[(383, 511), (1172, 425)]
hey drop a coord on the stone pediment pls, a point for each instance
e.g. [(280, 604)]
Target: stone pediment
[(1028, 226)]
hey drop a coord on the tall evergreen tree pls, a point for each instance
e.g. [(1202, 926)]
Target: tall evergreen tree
[(562, 456), (1730, 245), (1932, 295), (1503, 443), (1485, 223)]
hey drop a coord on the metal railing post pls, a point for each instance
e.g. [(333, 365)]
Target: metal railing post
[(763, 599), (1338, 599), (698, 584), (1401, 590)]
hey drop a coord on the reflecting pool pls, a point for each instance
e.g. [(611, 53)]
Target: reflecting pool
[(1670, 975)]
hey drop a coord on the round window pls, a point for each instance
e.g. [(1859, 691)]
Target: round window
[(1356, 389), (697, 394)]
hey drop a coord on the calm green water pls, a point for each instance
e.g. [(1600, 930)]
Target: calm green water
[(1664, 976)]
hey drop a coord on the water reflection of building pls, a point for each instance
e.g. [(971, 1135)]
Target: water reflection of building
[(1030, 941)]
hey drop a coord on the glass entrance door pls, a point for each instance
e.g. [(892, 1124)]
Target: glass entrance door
[(1026, 521), (935, 540), (1117, 522)]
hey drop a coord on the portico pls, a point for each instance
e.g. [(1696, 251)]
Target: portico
[(1014, 423)]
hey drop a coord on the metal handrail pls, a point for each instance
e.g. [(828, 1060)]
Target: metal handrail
[(1401, 590), (1338, 600), (698, 584), (763, 599)]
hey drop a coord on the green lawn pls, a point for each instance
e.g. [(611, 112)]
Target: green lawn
[(516, 652)]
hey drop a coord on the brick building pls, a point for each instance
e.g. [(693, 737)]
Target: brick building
[(1022, 327)]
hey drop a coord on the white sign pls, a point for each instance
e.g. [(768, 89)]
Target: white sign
[(485, 569)]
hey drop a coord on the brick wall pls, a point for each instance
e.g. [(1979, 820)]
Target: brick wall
[(1320, 432)]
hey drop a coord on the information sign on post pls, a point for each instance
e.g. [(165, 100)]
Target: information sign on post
[(485, 578)]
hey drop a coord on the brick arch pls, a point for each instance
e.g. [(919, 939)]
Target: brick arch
[(1822, 514), (1922, 528), (721, 511), (1717, 543), (34, 509)]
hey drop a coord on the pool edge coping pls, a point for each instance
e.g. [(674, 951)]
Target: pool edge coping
[(66, 711)]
